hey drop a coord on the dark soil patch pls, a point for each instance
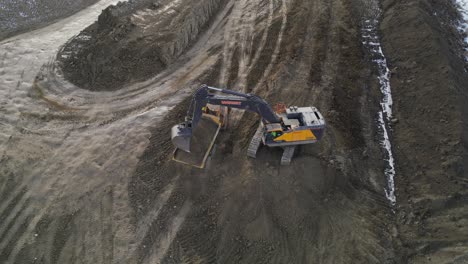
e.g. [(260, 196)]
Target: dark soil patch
[(121, 48), (430, 92)]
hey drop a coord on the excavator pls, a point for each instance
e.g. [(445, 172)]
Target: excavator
[(285, 127)]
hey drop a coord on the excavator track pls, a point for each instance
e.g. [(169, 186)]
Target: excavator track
[(255, 142), (288, 154)]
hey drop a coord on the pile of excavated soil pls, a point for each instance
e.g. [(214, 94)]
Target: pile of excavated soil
[(21, 16), (131, 43), (430, 87)]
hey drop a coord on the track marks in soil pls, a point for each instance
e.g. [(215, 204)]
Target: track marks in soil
[(9, 217), (106, 228), (240, 19), (144, 223), (164, 240), (251, 55), (243, 47), (24, 228), (276, 51)]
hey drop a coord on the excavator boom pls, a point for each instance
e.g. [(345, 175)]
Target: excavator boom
[(181, 134)]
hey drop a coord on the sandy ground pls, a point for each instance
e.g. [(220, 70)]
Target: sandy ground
[(21, 16), (87, 176)]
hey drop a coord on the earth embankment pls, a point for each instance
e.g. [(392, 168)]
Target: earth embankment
[(132, 43), (430, 130)]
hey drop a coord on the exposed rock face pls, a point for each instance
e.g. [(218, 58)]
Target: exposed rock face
[(133, 43)]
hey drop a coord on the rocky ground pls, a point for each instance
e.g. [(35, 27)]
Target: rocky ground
[(86, 169)]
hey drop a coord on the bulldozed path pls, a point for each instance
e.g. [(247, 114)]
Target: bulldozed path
[(87, 176)]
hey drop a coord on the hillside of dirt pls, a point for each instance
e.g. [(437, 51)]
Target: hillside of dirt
[(431, 86), (86, 169), (21, 16), (133, 43)]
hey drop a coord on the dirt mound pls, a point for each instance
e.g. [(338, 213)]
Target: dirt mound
[(132, 42), (430, 87)]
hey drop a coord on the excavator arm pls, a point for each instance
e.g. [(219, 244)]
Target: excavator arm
[(181, 134)]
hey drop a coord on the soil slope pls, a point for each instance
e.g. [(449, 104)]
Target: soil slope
[(431, 90), (134, 42)]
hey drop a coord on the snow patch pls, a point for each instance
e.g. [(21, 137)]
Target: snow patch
[(371, 41), (463, 26)]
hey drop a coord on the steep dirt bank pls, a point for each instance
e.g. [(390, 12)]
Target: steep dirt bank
[(21, 16), (133, 43), (430, 131)]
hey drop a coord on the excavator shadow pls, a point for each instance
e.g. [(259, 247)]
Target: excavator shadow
[(201, 146)]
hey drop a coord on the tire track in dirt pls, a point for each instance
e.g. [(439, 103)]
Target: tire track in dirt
[(239, 40), (250, 56), (20, 232), (12, 215), (253, 62), (274, 55), (17, 195), (229, 33), (246, 36), (106, 228), (164, 240), (144, 224)]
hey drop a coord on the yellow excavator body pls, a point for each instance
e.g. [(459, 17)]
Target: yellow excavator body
[(297, 135)]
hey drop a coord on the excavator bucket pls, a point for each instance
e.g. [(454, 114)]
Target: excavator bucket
[(181, 136), (194, 148)]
